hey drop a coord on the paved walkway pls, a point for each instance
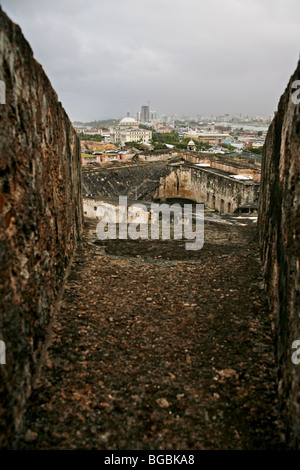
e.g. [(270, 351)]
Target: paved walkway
[(160, 348)]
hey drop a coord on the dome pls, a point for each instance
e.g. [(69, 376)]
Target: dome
[(128, 120)]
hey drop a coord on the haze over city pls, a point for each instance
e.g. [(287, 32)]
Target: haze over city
[(105, 58)]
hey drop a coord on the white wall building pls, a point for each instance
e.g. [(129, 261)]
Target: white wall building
[(129, 131)]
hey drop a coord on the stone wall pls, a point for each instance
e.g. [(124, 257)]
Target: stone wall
[(40, 217), (204, 185), (232, 168), (279, 230), (123, 179), (155, 156)]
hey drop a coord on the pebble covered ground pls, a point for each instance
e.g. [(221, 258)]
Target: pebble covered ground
[(159, 348)]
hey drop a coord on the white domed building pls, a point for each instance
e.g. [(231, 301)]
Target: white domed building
[(128, 122), (128, 131)]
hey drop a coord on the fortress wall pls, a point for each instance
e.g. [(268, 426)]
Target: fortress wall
[(279, 230), (216, 191), (40, 216)]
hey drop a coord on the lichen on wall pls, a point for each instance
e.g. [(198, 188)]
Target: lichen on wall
[(279, 230), (40, 216)]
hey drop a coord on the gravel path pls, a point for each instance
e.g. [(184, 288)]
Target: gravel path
[(158, 348)]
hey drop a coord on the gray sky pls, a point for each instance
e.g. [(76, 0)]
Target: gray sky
[(107, 57)]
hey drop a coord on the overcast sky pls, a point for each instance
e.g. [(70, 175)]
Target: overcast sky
[(107, 57)]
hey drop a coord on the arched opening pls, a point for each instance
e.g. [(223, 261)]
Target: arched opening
[(178, 200), (222, 206)]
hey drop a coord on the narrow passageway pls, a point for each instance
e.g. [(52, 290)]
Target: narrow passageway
[(156, 347)]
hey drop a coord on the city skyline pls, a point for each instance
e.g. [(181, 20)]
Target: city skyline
[(108, 58), (225, 118)]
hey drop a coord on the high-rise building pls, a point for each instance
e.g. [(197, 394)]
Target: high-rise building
[(145, 114)]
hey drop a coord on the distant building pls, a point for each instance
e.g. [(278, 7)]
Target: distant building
[(210, 137), (163, 129), (88, 130), (191, 145), (145, 114), (129, 131)]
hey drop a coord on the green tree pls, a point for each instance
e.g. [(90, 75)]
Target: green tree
[(94, 138), (229, 147)]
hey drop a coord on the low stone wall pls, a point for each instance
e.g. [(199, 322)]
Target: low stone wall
[(157, 156), (85, 160), (225, 166), (96, 146), (40, 217), (279, 230), (135, 180)]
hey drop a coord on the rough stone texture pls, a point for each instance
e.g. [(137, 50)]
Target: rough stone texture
[(170, 179), (160, 348), (279, 228), (131, 179), (250, 168), (210, 186), (41, 216)]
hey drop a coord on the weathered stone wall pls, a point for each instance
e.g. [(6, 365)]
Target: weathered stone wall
[(216, 191), (234, 169), (96, 146), (40, 217), (157, 156), (279, 230), (123, 179)]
